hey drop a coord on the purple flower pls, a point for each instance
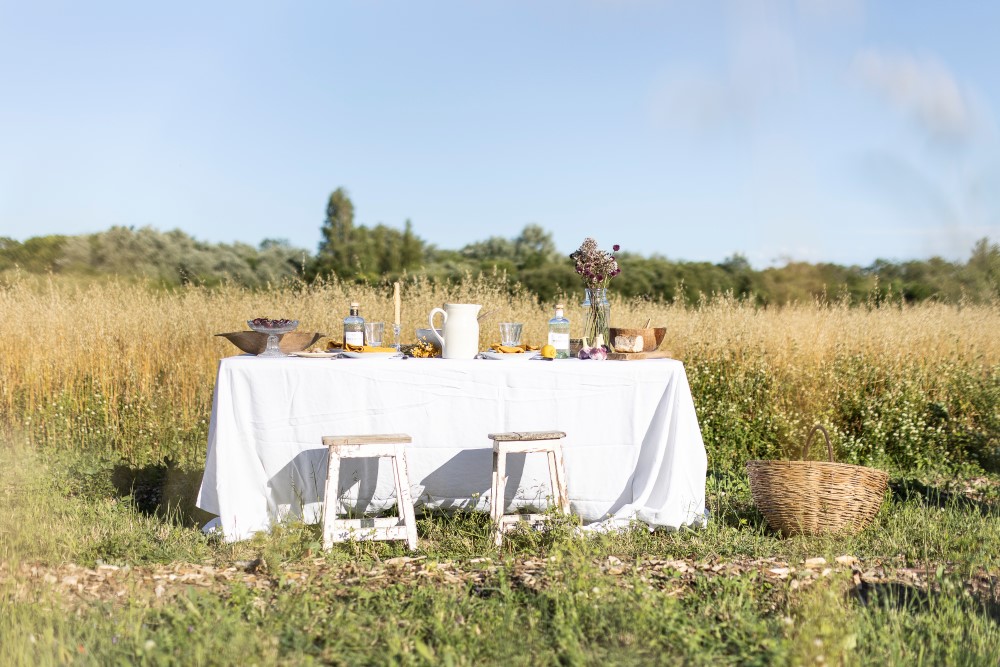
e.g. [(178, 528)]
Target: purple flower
[(595, 265), (616, 247)]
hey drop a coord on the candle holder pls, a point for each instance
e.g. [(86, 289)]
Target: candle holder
[(395, 336)]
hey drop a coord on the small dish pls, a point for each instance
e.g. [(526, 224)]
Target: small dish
[(368, 355), (317, 355), (508, 356)]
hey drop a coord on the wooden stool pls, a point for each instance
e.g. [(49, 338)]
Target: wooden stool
[(524, 443), (403, 527)]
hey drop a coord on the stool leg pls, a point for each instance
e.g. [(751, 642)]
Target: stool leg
[(494, 486), (403, 498), (331, 497), (553, 477), (559, 484), (394, 460), (499, 490)]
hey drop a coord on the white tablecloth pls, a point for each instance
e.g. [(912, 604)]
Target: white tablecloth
[(633, 449)]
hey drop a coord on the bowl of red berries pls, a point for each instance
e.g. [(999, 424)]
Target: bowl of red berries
[(269, 326)]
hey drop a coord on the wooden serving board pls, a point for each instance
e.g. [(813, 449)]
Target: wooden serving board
[(631, 356)]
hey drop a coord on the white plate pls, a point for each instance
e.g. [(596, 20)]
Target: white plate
[(368, 355), (509, 356), (317, 355)]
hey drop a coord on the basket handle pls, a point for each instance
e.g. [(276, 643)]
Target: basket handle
[(829, 447)]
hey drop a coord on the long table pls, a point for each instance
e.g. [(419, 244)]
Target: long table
[(633, 449)]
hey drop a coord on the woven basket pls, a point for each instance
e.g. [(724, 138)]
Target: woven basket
[(816, 497)]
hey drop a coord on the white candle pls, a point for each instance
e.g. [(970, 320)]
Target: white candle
[(395, 302)]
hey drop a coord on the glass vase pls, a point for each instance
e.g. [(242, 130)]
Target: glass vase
[(596, 316)]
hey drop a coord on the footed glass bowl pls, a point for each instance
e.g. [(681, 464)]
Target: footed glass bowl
[(273, 329)]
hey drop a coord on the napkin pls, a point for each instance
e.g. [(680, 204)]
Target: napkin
[(511, 349), (334, 345), (367, 348)]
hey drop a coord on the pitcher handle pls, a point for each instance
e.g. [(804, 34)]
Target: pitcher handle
[(444, 320)]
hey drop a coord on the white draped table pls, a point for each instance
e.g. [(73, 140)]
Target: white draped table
[(633, 449)]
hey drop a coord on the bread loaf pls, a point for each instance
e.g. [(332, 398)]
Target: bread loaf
[(628, 343)]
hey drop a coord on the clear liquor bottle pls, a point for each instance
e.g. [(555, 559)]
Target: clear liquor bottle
[(354, 326), (559, 333)]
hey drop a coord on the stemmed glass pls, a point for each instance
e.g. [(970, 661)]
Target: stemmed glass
[(273, 329)]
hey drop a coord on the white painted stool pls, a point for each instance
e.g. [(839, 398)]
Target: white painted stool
[(525, 442), (403, 527)]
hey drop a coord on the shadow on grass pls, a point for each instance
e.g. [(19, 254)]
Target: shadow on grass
[(992, 609), (162, 489), (934, 496), (906, 597), (731, 504), (892, 595)]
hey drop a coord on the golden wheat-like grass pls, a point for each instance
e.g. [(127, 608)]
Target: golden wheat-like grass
[(811, 333), (119, 336), (123, 339)]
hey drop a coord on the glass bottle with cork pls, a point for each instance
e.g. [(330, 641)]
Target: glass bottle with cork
[(559, 333), (354, 327)]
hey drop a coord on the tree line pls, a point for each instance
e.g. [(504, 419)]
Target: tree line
[(351, 252)]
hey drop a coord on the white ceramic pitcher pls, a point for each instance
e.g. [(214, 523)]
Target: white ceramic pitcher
[(460, 328)]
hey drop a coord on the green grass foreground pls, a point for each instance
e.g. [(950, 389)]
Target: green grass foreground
[(103, 564)]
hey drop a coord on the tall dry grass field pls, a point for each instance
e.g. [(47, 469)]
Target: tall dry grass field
[(123, 367)]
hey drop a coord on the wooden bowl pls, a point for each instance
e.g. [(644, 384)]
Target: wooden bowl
[(652, 337), (253, 342)]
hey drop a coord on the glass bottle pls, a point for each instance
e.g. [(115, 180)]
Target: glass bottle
[(559, 333), (354, 326)]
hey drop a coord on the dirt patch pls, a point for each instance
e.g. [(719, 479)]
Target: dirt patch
[(77, 584)]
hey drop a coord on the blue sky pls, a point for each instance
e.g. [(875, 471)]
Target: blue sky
[(814, 130)]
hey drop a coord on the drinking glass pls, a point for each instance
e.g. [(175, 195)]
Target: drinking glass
[(373, 333), (510, 334)]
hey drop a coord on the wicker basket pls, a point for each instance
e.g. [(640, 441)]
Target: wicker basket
[(816, 497)]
